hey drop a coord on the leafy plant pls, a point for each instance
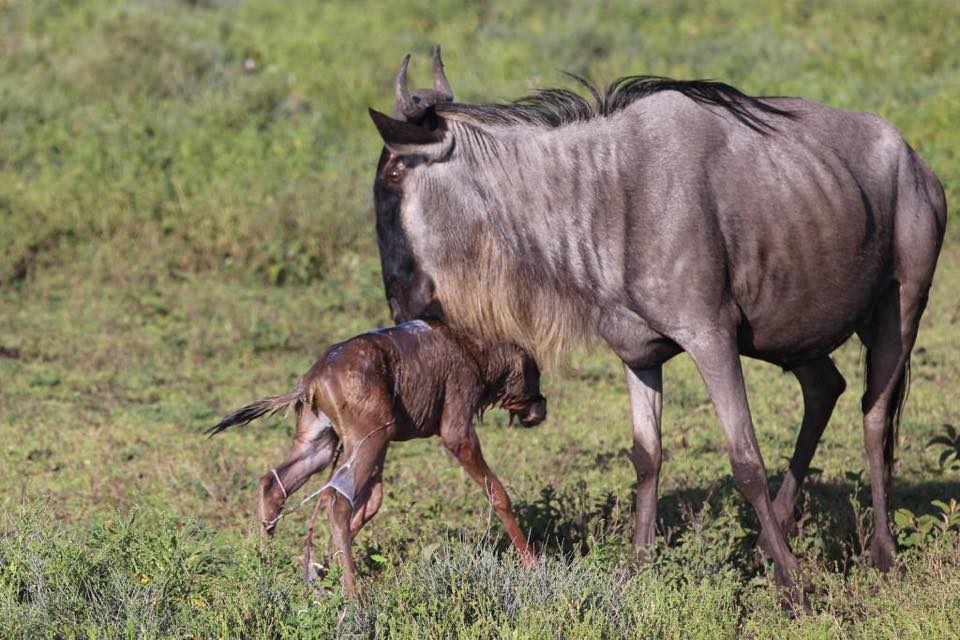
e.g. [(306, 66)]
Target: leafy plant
[(950, 453), (919, 531)]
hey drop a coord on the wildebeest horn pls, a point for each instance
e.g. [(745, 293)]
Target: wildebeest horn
[(405, 106), (440, 83), (412, 106)]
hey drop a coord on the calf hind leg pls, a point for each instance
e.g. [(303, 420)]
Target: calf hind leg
[(353, 495), (314, 446), (367, 505), (344, 524)]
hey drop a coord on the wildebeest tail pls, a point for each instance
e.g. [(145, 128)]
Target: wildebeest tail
[(891, 428), (259, 408), (891, 433)]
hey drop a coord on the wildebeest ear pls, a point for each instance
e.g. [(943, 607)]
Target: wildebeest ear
[(406, 139)]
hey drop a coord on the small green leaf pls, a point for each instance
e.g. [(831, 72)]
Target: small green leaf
[(914, 540), (903, 518), (926, 523), (379, 559)]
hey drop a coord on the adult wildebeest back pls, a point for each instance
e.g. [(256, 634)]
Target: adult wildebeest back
[(670, 216)]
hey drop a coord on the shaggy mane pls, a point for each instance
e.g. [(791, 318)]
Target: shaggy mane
[(553, 108), (507, 305)]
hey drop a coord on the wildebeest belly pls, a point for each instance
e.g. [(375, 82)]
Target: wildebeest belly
[(809, 249)]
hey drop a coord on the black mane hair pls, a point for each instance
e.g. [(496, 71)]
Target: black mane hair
[(556, 107)]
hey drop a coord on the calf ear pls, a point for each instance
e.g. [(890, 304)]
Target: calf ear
[(406, 139)]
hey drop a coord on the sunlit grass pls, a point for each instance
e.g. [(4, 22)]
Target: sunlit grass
[(179, 236)]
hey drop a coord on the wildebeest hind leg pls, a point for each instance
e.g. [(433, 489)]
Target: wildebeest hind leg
[(821, 384), (718, 360), (889, 342)]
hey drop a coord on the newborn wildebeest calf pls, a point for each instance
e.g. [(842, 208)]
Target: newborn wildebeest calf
[(414, 380)]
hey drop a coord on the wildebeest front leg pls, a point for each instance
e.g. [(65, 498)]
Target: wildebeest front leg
[(719, 363), (822, 385), (646, 405), (465, 446)]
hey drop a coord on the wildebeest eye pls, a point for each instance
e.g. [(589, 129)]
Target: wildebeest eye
[(394, 172)]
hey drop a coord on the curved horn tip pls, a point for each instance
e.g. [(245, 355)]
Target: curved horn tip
[(440, 82), (404, 106)]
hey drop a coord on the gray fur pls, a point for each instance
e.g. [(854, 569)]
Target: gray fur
[(673, 222)]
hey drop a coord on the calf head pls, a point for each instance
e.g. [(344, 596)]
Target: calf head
[(520, 394)]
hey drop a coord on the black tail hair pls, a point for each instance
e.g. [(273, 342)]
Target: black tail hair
[(259, 408), (892, 433)]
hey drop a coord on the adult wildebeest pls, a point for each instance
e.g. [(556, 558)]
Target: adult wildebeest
[(672, 216)]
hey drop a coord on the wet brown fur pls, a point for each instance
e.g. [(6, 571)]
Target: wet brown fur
[(416, 380)]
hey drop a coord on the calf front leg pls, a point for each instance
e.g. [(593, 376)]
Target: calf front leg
[(465, 447)]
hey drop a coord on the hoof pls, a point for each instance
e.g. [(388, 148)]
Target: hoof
[(794, 588), (883, 553), (643, 553)]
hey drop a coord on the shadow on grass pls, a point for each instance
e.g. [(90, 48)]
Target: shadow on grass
[(834, 518)]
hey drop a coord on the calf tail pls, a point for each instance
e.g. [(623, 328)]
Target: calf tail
[(260, 408)]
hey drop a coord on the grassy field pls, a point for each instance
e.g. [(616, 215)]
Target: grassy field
[(186, 221)]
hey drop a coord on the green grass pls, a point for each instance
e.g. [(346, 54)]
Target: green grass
[(179, 237)]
